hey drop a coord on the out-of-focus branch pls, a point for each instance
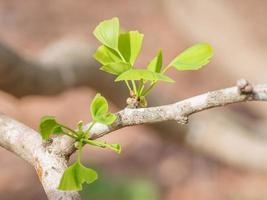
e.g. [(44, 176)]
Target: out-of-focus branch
[(61, 66)]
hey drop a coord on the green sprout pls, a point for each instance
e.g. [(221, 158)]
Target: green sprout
[(119, 51), (75, 175), (117, 54)]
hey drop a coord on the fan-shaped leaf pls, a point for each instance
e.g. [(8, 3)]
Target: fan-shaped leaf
[(130, 44), (99, 111), (156, 63), (138, 74), (116, 68), (107, 32), (75, 175), (106, 55), (193, 58), (48, 126)]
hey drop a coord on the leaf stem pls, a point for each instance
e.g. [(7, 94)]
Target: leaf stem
[(123, 59), (134, 87), (141, 87), (72, 136), (87, 133), (128, 85), (96, 143), (79, 153), (69, 129), (166, 69), (149, 88)]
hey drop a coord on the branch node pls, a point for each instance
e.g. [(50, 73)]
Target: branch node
[(182, 119), (244, 86)]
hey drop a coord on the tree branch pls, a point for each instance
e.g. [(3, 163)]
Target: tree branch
[(49, 161), (181, 110), (50, 158)]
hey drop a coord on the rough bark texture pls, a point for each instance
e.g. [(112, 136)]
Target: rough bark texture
[(49, 161), (50, 158)]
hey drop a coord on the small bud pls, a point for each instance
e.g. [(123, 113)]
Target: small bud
[(244, 86)]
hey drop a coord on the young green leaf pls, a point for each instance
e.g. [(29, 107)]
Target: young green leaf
[(156, 63), (138, 74), (99, 111), (116, 68), (130, 44), (193, 58), (75, 175), (107, 118), (106, 55), (48, 125), (107, 32)]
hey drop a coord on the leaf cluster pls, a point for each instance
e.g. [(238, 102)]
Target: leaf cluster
[(119, 51), (75, 175)]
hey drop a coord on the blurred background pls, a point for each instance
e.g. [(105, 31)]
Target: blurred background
[(46, 68)]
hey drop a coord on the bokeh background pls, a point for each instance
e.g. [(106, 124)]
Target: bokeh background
[(46, 68)]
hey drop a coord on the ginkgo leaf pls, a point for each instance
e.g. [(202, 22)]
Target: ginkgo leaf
[(106, 55), (193, 58), (107, 32), (156, 63), (99, 110), (130, 44), (107, 118), (99, 106), (138, 74), (116, 68), (75, 175), (48, 126)]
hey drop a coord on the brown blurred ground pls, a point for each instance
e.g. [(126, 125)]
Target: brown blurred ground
[(181, 173)]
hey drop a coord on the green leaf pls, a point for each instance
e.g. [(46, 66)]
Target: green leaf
[(130, 44), (107, 118), (116, 68), (138, 74), (193, 58), (75, 175), (114, 147), (106, 55), (48, 126), (107, 32), (99, 110), (156, 63), (99, 106)]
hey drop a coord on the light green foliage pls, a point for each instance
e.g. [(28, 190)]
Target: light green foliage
[(138, 74), (107, 32), (193, 58), (99, 111), (77, 174), (117, 54), (48, 126), (155, 64), (116, 68), (106, 55), (130, 44), (118, 58)]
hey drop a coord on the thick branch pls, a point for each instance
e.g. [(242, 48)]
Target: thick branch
[(49, 162)]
